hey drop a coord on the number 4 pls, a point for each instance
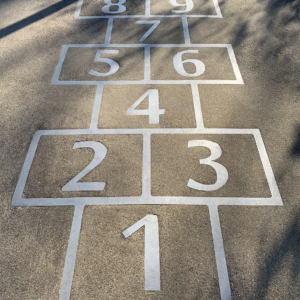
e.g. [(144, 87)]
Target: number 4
[(153, 110)]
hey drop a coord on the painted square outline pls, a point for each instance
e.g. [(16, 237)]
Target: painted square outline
[(147, 70), (146, 198), (147, 13)]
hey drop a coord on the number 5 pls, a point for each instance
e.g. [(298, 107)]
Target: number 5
[(222, 174), (114, 66)]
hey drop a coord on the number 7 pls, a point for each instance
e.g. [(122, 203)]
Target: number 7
[(150, 30)]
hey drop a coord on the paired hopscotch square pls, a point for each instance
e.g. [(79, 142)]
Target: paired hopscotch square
[(136, 155), (94, 9), (91, 64)]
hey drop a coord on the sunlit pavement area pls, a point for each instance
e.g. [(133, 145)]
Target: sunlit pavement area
[(149, 149)]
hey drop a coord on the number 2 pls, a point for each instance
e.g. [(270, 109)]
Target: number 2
[(100, 153), (222, 174)]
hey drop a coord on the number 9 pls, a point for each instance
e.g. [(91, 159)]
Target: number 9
[(188, 3)]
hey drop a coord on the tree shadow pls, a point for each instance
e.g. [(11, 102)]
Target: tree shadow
[(284, 254), (264, 26), (35, 17)]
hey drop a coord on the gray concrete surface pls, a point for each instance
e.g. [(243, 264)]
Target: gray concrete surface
[(261, 243)]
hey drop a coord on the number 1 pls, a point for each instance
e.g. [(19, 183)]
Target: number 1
[(152, 264)]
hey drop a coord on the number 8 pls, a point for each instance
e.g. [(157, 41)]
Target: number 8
[(121, 7)]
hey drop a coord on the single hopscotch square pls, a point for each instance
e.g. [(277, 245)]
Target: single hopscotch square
[(94, 9), (146, 106), (66, 166)]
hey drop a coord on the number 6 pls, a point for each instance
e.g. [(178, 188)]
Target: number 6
[(222, 174), (178, 64)]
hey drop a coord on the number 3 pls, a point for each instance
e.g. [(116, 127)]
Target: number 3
[(222, 174)]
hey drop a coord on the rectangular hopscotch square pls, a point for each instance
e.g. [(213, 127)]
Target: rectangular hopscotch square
[(175, 164), (171, 106), (95, 9), (92, 64), (111, 163)]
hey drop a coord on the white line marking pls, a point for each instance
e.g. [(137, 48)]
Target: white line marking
[(234, 64), (152, 263), (109, 30), (146, 165), (97, 105), (147, 70), (55, 78), (217, 8), (267, 166), (147, 8), (224, 284), (147, 201), (197, 106), (149, 45), (124, 82), (186, 32), (150, 16), (17, 196), (78, 9), (66, 283)]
